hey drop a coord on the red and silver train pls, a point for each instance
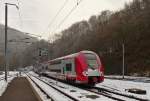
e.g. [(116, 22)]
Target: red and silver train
[(84, 67)]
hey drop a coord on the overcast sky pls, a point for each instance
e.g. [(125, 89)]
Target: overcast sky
[(37, 14)]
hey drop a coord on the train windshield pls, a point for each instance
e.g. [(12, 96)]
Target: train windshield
[(91, 61)]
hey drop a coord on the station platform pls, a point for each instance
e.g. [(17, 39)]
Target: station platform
[(19, 89)]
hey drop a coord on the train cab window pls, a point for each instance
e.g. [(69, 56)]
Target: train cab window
[(69, 67), (91, 61)]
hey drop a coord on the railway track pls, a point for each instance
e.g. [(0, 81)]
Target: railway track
[(47, 95), (65, 94), (125, 96), (105, 92)]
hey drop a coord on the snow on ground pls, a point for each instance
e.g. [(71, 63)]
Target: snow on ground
[(13, 72), (3, 83), (133, 78), (40, 93), (120, 86), (10, 73), (50, 91), (75, 92), (111, 84), (78, 93)]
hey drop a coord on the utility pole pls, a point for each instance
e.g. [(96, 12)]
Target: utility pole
[(6, 49), (6, 57), (123, 60)]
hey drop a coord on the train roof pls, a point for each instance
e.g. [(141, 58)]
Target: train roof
[(73, 55)]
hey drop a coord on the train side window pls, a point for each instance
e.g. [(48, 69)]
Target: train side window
[(69, 67)]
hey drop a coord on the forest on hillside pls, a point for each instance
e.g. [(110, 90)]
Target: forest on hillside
[(17, 42), (104, 34)]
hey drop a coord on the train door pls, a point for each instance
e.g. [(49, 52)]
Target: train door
[(68, 67)]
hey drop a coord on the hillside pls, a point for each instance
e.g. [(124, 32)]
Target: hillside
[(105, 34), (14, 34), (15, 49)]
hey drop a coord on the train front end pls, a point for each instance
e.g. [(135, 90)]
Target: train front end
[(91, 68)]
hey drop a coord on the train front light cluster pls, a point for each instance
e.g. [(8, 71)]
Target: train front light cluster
[(85, 73)]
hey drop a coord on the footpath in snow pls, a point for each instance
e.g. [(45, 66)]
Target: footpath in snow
[(3, 83)]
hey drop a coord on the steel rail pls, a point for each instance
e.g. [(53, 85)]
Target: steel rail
[(40, 88), (72, 98), (99, 93), (121, 94), (102, 91)]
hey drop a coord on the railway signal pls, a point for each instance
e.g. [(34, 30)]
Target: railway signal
[(43, 52)]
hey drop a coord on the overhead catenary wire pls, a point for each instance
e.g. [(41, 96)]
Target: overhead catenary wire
[(21, 21), (20, 17), (66, 17), (54, 18)]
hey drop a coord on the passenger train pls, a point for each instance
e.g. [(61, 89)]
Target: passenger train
[(84, 67)]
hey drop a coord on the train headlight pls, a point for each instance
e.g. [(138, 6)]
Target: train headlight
[(85, 73), (101, 74)]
